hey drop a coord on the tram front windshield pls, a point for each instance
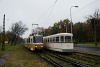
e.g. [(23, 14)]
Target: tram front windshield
[(38, 39)]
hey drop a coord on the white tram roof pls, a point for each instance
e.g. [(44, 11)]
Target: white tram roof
[(59, 34)]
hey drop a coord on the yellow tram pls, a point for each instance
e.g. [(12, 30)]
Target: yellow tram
[(34, 42)]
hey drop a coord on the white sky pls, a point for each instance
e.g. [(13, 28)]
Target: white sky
[(29, 11)]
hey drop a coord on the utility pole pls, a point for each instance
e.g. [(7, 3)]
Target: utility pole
[(3, 34)]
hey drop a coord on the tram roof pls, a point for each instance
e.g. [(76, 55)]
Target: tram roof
[(60, 34)]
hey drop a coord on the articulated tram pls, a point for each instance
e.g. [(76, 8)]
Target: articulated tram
[(34, 42), (61, 42)]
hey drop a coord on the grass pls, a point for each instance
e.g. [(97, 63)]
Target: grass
[(21, 57)]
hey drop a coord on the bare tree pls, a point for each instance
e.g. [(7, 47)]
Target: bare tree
[(17, 30)]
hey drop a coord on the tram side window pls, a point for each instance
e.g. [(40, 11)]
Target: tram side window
[(29, 40), (57, 39), (34, 39), (48, 39), (53, 39), (67, 38), (25, 41), (45, 40), (62, 38)]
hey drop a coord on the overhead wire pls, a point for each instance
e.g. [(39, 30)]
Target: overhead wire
[(73, 12), (53, 5), (50, 11), (46, 11)]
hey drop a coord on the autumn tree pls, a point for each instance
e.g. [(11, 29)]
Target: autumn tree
[(58, 27), (94, 21), (79, 32)]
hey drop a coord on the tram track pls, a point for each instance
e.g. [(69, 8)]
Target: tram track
[(87, 58), (73, 62), (45, 57), (74, 59), (88, 55), (56, 62), (92, 60)]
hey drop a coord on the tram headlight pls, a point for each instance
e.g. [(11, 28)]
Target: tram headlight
[(41, 46)]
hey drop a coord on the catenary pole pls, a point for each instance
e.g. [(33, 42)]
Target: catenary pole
[(3, 34)]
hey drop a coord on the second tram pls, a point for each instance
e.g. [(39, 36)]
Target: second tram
[(61, 42)]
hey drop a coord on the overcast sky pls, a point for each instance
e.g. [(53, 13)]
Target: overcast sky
[(39, 11)]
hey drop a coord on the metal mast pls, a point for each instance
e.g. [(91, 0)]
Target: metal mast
[(3, 34)]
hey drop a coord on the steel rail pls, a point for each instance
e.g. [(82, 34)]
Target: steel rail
[(75, 63), (50, 61), (91, 58)]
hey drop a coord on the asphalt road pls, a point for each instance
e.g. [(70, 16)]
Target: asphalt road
[(91, 49)]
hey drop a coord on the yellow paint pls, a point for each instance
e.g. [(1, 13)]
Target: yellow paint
[(37, 46), (34, 46), (28, 46)]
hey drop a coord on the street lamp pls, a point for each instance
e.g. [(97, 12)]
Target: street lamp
[(71, 17)]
